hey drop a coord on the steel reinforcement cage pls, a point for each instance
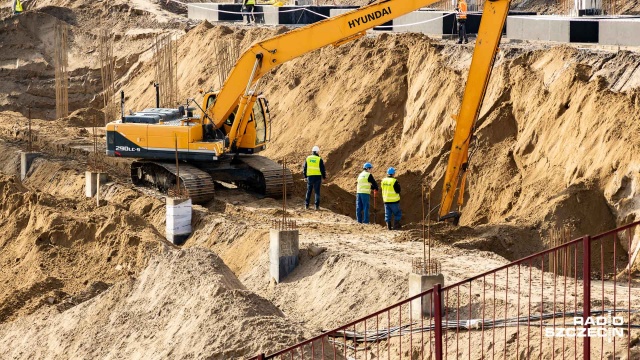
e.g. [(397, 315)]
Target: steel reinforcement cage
[(575, 301)]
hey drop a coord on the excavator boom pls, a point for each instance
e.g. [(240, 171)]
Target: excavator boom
[(491, 25), (295, 43)]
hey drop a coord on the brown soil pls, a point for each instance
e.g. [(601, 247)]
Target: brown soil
[(556, 145)]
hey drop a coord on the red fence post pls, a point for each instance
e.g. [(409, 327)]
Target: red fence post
[(437, 309), (586, 296)]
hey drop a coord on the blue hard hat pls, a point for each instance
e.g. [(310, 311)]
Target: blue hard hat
[(391, 171), (367, 166)]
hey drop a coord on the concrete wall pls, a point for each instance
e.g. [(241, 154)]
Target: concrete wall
[(538, 28), (198, 11), (433, 27), (620, 32)]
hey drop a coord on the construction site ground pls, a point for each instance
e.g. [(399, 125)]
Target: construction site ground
[(557, 146)]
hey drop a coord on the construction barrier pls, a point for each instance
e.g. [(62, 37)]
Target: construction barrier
[(576, 300)]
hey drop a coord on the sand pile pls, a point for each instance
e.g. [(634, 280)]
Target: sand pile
[(57, 251), (185, 304), (555, 142)]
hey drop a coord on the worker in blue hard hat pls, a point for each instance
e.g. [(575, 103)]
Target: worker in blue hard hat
[(391, 199), (364, 185)]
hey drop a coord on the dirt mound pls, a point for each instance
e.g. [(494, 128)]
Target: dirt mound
[(57, 251), (185, 304)]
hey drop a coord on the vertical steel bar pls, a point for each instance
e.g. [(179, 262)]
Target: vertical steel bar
[(438, 320), (506, 311), (411, 325), (586, 296), (629, 292), (377, 342), (484, 291), (518, 315), (564, 299), (575, 298), (541, 301), (446, 329), (422, 326), (355, 344), (615, 285), (555, 277), (602, 278), (469, 318), (365, 337), (493, 340), (458, 322), (388, 334), (400, 330), (313, 354), (529, 307)]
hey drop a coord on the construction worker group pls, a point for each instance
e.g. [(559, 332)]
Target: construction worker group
[(314, 173)]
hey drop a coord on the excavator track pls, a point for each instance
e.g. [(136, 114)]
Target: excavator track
[(194, 183), (271, 176)]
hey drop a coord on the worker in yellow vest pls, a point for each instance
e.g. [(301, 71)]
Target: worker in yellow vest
[(17, 7), (364, 185), (391, 198), (314, 173), (249, 6), (461, 17)]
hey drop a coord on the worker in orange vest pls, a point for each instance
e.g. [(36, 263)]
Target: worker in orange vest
[(461, 17)]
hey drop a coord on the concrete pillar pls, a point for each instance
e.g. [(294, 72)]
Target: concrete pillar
[(283, 253), (91, 182), (420, 283), (178, 218), (26, 158)]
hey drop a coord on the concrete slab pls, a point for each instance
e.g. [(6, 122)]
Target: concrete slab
[(538, 28), (178, 220), (91, 182), (418, 284), (617, 32), (202, 11), (283, 253), (26, 159)]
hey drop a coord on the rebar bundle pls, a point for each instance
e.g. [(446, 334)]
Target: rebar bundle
[(227, 52), (61, 62), (107, 72), (166, 56)]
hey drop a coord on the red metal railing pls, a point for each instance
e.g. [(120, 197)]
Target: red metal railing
[(535, 307)]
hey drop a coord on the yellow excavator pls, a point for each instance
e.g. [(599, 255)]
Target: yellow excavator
[(221, 141)]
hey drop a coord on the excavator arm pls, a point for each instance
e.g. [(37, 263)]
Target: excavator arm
[(265, 55), (489, 34)]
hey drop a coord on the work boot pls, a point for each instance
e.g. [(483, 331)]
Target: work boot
[(317, 207), (466, 41), (397, 226), (459, 42), (389, 226), (306, 206)]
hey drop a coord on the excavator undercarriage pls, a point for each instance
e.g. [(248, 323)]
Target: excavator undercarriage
[(253, 173)]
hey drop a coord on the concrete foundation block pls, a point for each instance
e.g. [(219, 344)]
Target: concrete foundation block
[(91, 182), (178, 219), (283, 253), (420, 283), (26, 159)]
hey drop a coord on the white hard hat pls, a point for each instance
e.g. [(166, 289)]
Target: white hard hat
[(315, 149)]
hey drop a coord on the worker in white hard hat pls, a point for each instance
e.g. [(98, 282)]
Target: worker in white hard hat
[(313, 172)]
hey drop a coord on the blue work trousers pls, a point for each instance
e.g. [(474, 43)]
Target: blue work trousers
[(362, 208), (392, 210), (313, 184)]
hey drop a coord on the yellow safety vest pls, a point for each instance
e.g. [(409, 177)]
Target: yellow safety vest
[(313, 165), (364, 186), (18, 6), (389, 194), (251, 2)]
